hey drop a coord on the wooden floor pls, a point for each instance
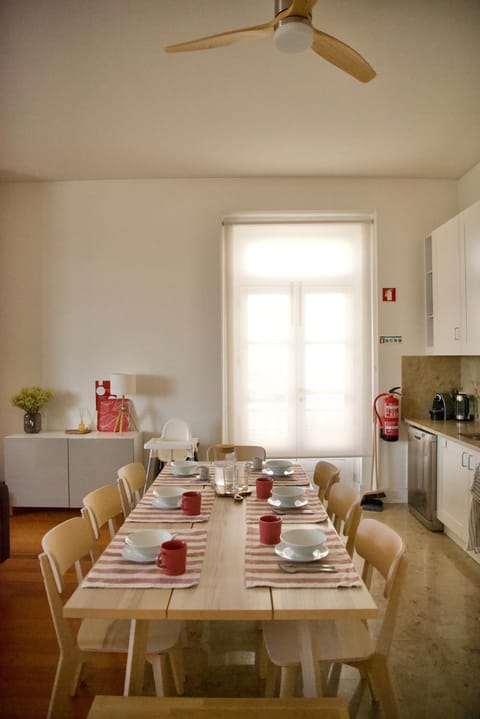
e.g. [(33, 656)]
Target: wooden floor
[(28, 647)]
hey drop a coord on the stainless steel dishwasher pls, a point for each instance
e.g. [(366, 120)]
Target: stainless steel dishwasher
[(422, 477)]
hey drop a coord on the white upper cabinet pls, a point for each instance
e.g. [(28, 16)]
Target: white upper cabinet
[(452, 266), (470, 258)]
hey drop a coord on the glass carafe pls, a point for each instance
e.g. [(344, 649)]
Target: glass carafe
[(225, 475)]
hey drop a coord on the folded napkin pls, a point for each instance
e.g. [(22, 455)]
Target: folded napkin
[(314, 511), (262, 570), (112, 571), (145, 511), (474, 523)]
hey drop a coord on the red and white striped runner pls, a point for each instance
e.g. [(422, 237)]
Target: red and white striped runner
[(166, 476), (145, 511), (262, 570), (112, 571), (299, 476), (314, 511)]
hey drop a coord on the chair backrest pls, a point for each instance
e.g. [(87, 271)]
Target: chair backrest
[(131, 483), (345, 512), (64, 546), (325, 475), (102, 506), (176, 428), (244, 452), (383, 549)]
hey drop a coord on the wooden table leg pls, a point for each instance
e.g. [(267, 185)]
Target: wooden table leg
[(137, 645), (309, 661)]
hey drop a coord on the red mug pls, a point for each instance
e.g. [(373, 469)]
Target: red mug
[(191, 502), (172, 557), (264, 487), (270, 527)]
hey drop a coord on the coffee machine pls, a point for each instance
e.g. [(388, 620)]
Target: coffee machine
[(442, 407)]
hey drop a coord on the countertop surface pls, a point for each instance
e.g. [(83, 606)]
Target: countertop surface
[(467, 433)]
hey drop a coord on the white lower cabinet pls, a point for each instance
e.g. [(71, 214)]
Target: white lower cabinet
[(455, 469), (51, 469)]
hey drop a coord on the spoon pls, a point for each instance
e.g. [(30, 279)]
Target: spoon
[(291, 568)]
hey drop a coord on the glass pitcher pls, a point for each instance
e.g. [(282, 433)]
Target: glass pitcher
[(225, 463)]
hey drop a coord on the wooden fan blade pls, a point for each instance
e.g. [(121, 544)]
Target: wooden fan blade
[(342, 55), (223, 38)]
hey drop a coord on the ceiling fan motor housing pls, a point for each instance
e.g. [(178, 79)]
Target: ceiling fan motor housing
[(294, 33)]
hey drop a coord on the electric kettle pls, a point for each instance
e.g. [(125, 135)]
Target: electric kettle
[(464, 407)]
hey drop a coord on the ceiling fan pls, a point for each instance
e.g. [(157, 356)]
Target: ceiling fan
[(293, 32)]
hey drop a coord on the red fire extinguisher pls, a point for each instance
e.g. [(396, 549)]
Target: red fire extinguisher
[(388, 416)]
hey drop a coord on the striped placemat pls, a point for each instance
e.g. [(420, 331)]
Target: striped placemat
[(262, 570), (145, 511), (299, 476), (112, 571), (314, 511), (166, 476)]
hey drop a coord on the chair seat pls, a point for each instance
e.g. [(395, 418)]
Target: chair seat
[(334, 640), (105, 635)]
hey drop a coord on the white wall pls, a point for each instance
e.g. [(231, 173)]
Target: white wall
[(124, 276), (469, 188)]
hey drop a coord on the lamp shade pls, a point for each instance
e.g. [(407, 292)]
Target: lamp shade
[(122, 384), (294, 34)]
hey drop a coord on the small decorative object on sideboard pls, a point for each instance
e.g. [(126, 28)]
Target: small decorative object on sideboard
[(31, 400)]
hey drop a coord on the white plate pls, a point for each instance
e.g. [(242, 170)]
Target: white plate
[(156, 502), (285, 473), (286, 552), (132, 556), (297, 504), (177, 473)]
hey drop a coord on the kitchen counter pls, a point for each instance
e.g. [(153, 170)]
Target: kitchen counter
[(451, 429)]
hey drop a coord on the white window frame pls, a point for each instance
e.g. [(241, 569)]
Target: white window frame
[(364, 218)]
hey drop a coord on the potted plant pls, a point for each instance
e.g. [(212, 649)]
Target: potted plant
[(31, 400)]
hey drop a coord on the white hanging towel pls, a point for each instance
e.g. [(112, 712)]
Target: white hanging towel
[(474, 523)]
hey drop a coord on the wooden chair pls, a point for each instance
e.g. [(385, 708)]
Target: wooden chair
[(244, 452), (348, 641), (325, 475), (105, 707), (131, 483), (64, 547), (345, 512), (103, 506)]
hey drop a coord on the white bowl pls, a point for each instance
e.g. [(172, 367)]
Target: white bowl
[(278, 466), (302, 541), (183, 467), (146, 542), (167, 497), (287, 496)]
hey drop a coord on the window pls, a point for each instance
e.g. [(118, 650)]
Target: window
[(298, 336)]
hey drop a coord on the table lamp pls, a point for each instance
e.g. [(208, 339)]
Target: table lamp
[(121, 385)]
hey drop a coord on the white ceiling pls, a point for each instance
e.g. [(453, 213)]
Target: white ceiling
[(87, 92)]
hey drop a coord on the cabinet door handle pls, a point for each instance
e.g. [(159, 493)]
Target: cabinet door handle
[(464, 461), (457, 333), (470, 461)]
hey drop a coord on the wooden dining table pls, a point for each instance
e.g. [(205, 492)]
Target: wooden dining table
[(220, 594)]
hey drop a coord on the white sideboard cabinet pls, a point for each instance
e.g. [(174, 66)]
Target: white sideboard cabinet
[(53, 469)]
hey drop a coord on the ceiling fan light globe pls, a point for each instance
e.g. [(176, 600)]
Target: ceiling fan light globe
[(295, 34)]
